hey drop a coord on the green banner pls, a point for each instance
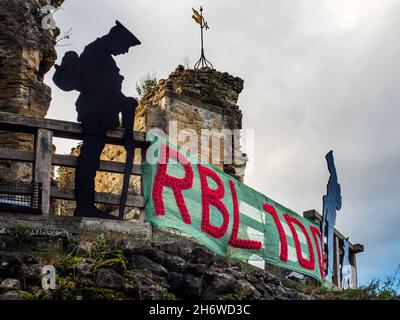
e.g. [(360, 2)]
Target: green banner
[(225, 215)]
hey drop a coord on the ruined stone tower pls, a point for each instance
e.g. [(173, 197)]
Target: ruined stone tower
[(198, 104), (27, 52)]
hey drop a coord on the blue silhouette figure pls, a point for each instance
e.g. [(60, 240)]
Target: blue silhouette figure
[(96, 76), (346, 266), (332, 202)]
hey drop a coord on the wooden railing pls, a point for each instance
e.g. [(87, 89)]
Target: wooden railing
[(42, 158)]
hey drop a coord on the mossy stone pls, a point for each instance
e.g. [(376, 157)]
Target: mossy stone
[(116, 264), (231, 296), (92, 293), (67, 265)]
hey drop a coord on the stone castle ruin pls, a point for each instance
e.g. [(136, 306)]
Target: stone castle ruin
[(198, 101)]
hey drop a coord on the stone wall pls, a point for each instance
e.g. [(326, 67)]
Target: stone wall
[(115, 266), (198, 100), (27, 52)]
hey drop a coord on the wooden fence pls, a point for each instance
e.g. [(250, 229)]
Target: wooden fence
[(43, 159)]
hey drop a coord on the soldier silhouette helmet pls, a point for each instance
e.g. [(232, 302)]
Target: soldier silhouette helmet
[(116, 42), (121, 39)]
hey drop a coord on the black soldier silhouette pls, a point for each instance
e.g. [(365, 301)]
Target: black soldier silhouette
[(96, 76), (332, 202)]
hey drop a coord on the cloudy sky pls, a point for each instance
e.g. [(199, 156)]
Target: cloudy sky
[(319, 75)]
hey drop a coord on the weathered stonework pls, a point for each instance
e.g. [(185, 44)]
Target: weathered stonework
[(198, 100), (27, 52)]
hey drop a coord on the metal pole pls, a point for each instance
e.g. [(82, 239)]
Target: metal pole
[(203, 62), (202, 38), (202, 47)]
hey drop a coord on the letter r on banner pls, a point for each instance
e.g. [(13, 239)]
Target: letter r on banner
[(163, 179)]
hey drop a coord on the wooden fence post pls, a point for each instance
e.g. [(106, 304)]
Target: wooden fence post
[(42, 166), (353, 263), (336, 262), (143, 158)]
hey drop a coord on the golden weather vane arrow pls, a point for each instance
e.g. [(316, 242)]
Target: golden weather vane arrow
[(199, 18)]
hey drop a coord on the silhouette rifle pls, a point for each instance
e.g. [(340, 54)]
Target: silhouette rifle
[(130, 152)]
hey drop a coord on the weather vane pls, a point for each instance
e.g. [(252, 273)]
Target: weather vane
[(198, 17)]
